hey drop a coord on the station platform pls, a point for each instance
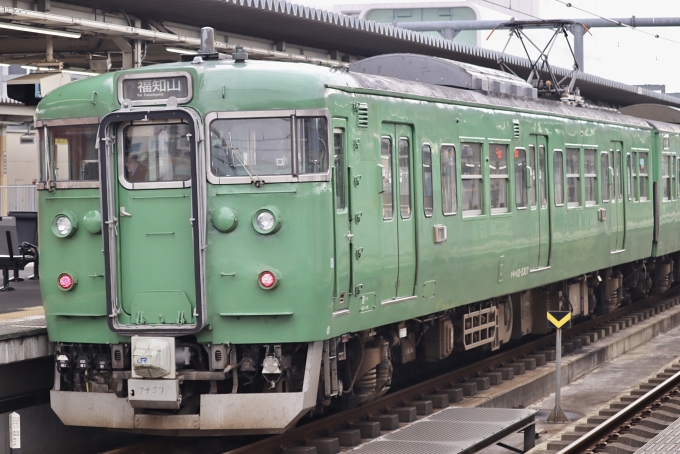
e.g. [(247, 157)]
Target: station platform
[(26, 294), (456, 431)]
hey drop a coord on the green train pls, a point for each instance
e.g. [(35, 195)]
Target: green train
[(229, 244)]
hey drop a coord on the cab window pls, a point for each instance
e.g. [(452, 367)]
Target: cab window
[(72, 153)]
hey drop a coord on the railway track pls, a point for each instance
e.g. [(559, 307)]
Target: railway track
[(432, 393)]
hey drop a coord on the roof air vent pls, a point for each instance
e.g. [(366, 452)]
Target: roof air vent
[(361, 109), (448, 73)]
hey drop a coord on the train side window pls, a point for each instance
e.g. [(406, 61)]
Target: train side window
[(532, 165), (590, 174), (447, 155), (521, 190), (428, 202), (666, 177), (471, 175), (573, 177), (644, 176), (338, 150), (606, 172), (543, 176), (404, 178), (386, 160), (558, 177), (677, 179), (629, 179), (498, 176)]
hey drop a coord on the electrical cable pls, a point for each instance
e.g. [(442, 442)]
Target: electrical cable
[(621, 24)]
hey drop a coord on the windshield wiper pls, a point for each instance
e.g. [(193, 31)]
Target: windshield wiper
[(255, 179)]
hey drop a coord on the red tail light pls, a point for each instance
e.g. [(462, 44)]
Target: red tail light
[(65, 281), (267, 279)]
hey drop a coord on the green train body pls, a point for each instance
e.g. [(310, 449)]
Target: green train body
[(480, 241)]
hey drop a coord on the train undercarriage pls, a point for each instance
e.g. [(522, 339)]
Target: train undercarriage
[(176, 386)]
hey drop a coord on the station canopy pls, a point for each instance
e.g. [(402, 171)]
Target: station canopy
[(274, 23)]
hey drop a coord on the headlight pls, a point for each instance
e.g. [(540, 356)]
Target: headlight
[(267, 220), (64, 224)]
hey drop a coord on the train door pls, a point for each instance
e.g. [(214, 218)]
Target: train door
[(618, 221), (538, 202), (343, 226), (151, 194), (398, 227)]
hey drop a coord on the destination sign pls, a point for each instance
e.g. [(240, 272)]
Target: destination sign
[(156, 88)]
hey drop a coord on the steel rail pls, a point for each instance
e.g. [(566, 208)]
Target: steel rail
[(272, 445), (613, 423)]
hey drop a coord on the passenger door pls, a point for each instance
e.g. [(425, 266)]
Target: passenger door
[(538, 202), (398, 223), (343, 226), (150, 193), (618, 221)]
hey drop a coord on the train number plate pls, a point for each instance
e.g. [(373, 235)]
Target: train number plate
[(144, 393)]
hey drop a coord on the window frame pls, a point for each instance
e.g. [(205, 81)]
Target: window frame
[(590, 176), (481, 211), (46, 161), (667, 184), (455, 177), (293, 114), (578, 176), (514, 166), (562, 180), (605, 177), (422, 165), (410, 177), (391, 173), (643, 175), (343, 180), (505, 176)]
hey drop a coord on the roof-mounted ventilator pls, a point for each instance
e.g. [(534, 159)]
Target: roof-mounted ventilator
[(449, 73), (551, 87)]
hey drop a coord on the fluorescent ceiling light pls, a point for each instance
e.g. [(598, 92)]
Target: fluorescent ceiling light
[(42, 31), (179, 50), (82, 73), (34, 68)]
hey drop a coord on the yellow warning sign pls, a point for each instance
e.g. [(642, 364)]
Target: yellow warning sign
[(559, 319)]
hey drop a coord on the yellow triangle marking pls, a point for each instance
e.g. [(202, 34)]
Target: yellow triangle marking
[(559, 323)]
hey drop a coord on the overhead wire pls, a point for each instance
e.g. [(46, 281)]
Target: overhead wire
[(621, 24)]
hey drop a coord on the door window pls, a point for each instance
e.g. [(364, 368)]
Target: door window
[(155, 153), (521, 192), (666, 177), (428, 202), (386, 159), (558, 177), (532, 178), (449, 181), (629, 173), (404, 178), (543, 176), (339, 155), (604, 182)]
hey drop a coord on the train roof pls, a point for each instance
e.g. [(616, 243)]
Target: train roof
[(287, 81)]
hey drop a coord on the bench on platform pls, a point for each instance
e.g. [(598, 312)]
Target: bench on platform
[(14, 255), (27, 232)]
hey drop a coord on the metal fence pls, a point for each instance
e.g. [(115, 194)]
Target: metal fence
[(18, 198)]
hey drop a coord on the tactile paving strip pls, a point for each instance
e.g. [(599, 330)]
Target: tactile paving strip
[(668, 440), (28, 312), (450, 431)]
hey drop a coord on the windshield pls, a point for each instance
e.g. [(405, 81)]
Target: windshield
[(72, 152), (264, 146), (156, 153)]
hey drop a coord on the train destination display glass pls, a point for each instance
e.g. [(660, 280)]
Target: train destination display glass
[(155, 90)]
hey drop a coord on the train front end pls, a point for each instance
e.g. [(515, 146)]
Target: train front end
[(187, 246)]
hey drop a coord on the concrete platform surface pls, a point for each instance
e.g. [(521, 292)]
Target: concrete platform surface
[(25, 293), (588, 393)]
